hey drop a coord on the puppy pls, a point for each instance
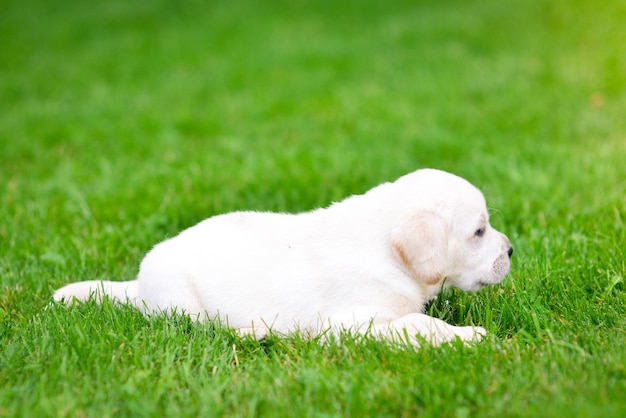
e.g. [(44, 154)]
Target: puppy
[(367, 264)]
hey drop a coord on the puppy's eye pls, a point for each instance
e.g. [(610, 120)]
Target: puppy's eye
[(479, 232)]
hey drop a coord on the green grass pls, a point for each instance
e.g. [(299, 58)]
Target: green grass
[(122, 123)]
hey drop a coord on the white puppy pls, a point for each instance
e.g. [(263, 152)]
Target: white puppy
[(367, 264)]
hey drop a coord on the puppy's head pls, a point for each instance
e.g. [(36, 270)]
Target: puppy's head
[(443, 232)]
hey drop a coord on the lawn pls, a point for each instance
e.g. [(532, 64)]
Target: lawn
[(122, 123)]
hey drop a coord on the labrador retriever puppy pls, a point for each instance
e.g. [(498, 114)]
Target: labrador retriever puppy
[(367, 264)]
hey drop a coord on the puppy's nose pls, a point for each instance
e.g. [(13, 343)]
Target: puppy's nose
[(510, 252)]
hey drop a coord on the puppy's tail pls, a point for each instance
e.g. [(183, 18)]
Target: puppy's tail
[(125, 292)]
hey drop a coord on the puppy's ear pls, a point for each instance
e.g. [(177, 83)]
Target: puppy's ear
[(420, 243)]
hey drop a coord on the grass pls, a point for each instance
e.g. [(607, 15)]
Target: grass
[(122, 123)]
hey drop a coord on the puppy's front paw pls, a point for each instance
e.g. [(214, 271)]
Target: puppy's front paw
[(471, 334)]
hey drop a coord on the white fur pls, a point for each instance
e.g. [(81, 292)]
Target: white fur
[(368, 264)]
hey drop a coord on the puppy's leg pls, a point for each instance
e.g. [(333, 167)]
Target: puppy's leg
[(433, 330), (257, 333)]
